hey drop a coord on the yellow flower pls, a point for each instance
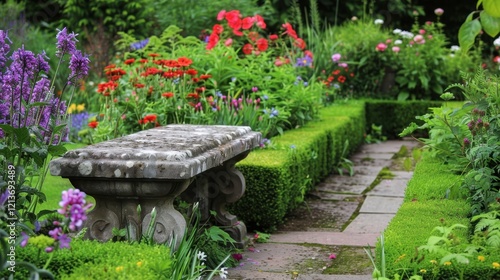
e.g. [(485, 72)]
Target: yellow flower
[(71, 108), (400, 258), (434, 262), (139, 263), (496, 265), (423, 271), (119, 268), (80, 107), (447, 263), (481, 258)]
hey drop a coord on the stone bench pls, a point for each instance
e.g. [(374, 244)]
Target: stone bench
[(153, 167)]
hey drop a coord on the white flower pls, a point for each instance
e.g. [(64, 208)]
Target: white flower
[(398, 42), (223, 273), (454, 48), (496, 43), (202, 256), (406, 34), (397, 31), (379, 21)]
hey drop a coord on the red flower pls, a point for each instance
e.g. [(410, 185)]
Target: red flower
[(341, 79), (106, 87), (212, 41), (149, 118), (205, 76), (143, 60), (170, 63), (300, 43), (308, 53), (184, 61), (193, 95), (93, 124), (237, 32), (168, 74), (247, 49), (168, 94), (260, 21), (289, 30), (232, 16), (139, 85), (247, 23), (191, 72), (273, 37), (262, 44), (154, 55), (129, 61), (217, 29)]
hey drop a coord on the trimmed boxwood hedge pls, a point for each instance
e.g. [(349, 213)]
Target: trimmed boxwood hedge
[(427, 205), (394, 116), (277, 178), (95, 260)]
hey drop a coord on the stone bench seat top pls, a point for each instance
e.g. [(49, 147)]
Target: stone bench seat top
[(168, 152)]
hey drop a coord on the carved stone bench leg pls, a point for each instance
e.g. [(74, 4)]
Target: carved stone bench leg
[(216, 188), (116, 207)]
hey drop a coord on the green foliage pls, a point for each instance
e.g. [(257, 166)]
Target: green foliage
[(375, 135), (402, 113), (96, 260), (487, 229), (487, 19)]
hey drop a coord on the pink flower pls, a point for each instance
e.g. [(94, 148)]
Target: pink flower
[(421, 31), (343, 65), (395, 49), (221, 14), (388, 41), (228, 42), (381, 47), (439, 12), (336, 57), (419, 39), (332, 256)]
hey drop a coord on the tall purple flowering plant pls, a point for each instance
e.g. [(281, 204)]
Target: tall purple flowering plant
[(33, 122)]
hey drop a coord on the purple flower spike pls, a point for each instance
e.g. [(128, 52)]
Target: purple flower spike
[(24, 239), (66, 43), (4, 48), (79, 65)]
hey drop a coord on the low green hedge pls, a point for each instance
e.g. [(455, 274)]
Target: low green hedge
[(426, 206), (278, 177), (94, 260), (394, 116)]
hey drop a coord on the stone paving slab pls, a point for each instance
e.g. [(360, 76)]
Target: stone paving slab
[(346, 184), (369, 223), (262, 275), (377, 162), (393, 187), (326, 238), (391, 146), (367, 170), (279, 258), (368, 156), (327, 195), (381, 204)]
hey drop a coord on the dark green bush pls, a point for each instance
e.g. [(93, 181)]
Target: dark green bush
[(394, 116)]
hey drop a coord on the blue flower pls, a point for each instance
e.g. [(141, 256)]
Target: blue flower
[(139, 45)]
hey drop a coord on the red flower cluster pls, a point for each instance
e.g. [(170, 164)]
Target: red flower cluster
[(149, 119), (239, 25), (106, 88)]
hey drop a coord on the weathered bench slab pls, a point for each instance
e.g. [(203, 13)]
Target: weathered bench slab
[(151, 168)]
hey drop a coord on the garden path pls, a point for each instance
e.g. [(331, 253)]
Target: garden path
[(324, 238)]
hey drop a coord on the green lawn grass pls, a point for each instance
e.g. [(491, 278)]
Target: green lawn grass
[(54, 185)]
